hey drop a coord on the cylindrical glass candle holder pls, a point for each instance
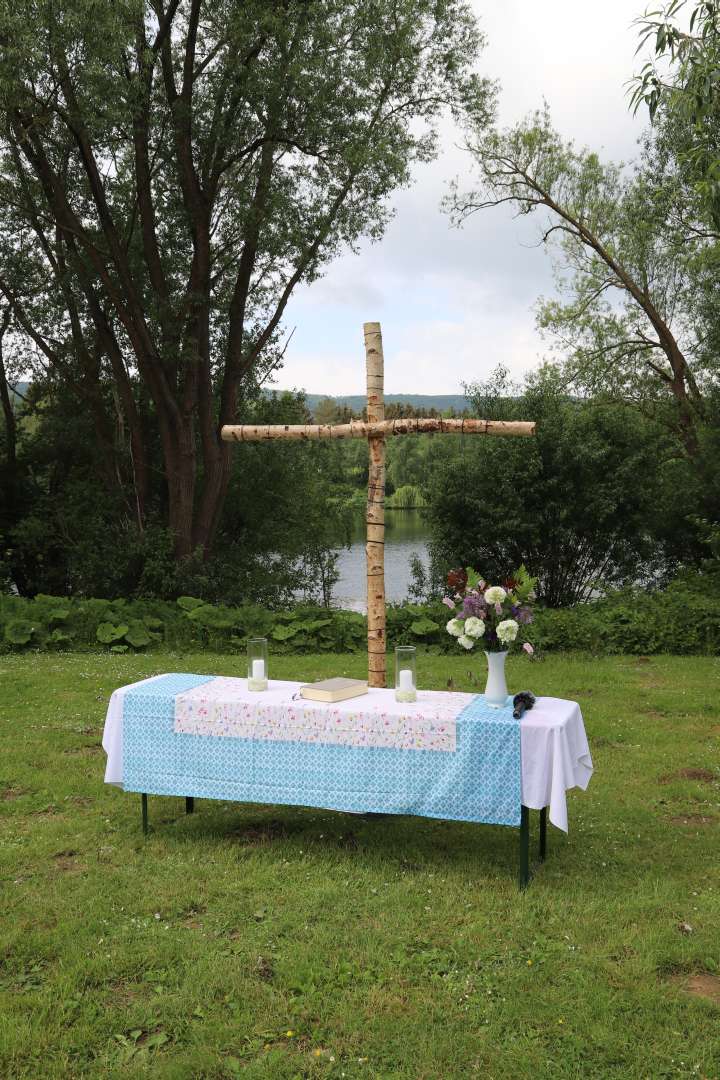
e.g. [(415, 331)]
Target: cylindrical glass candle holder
[(257, 652), (405, 673)]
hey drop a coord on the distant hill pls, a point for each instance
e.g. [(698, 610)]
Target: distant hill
[(357, 402)]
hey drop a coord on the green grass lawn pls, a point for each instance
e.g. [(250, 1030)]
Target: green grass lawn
[(273, 942)]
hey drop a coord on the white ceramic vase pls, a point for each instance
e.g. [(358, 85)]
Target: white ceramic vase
[(496, 690)]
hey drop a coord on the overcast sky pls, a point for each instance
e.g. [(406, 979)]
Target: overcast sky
[(455, 303)]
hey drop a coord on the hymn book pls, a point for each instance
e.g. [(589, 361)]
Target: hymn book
[(334, 689)]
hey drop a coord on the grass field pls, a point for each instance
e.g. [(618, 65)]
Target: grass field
[(271, 942)]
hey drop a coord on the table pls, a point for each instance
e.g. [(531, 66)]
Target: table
[(554, 752)]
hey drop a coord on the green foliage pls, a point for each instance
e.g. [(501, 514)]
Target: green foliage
[(137, 634), (73, 535), (107, 633), (189, 603), (565, 504), (407, 497), (683, 619), (213, 618), (680, 84), (18, 632)]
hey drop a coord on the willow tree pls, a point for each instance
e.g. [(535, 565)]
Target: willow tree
[(623, 319), (679, 84), (175, 168)]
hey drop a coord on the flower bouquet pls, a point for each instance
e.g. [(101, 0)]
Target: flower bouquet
[(491, 615)]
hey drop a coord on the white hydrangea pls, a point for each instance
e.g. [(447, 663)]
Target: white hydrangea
[(495, 595), (455, 627), (474, 627), (507, 630), (466, 642)]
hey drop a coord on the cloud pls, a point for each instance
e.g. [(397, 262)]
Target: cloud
[(455, 303)]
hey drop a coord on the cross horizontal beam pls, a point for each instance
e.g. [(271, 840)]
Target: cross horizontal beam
[(360, 429)]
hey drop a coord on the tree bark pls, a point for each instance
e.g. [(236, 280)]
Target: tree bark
[(375, 550), (7, 407), (376, 429)]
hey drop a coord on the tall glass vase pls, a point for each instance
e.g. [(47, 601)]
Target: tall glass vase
[(496, 690)]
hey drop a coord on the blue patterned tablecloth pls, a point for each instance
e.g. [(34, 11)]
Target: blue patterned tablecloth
[(479, 781)]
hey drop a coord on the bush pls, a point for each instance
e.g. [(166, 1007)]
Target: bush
[(682, 619)]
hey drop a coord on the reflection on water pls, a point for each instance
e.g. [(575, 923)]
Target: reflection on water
[(405, 535)]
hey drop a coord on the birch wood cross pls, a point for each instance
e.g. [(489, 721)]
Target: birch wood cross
[(376, 429)]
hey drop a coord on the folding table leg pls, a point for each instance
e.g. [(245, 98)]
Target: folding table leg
[(524, 876), (189, 804), (543, 833), (144, 814)]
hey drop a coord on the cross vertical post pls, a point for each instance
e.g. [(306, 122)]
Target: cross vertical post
[(375, 519)]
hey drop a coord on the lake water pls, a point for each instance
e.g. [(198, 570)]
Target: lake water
[(406, 534)]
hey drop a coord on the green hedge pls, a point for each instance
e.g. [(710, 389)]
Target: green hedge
[(685, 618)]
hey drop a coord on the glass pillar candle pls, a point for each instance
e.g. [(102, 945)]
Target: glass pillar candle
[(405, 675), (257, 652)]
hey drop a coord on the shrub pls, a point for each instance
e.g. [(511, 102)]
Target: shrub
[(682, 619)]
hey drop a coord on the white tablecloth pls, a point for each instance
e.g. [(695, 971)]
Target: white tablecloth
[(554, 749)]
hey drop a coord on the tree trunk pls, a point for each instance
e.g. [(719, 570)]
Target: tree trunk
[(8, 411), (180, 464), (216, 479)]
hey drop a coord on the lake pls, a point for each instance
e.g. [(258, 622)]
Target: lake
[(406, 534)]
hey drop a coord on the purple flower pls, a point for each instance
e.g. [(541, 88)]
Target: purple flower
[(524, 615), (448, 602), (473, 606)]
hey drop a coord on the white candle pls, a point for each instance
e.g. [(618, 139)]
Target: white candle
[(258, 670), (406, 680)]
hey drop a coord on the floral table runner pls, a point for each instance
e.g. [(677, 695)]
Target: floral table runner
[(225, 707)]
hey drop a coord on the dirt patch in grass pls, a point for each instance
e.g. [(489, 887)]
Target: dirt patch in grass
[(262, 834), (11, 793), (706, 776), (654, 714), (692, 819), (121, 992), (190, 918), (67, 863), (702, 985), (80, 800), (349, 841), (84, 751), (264, 968)]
